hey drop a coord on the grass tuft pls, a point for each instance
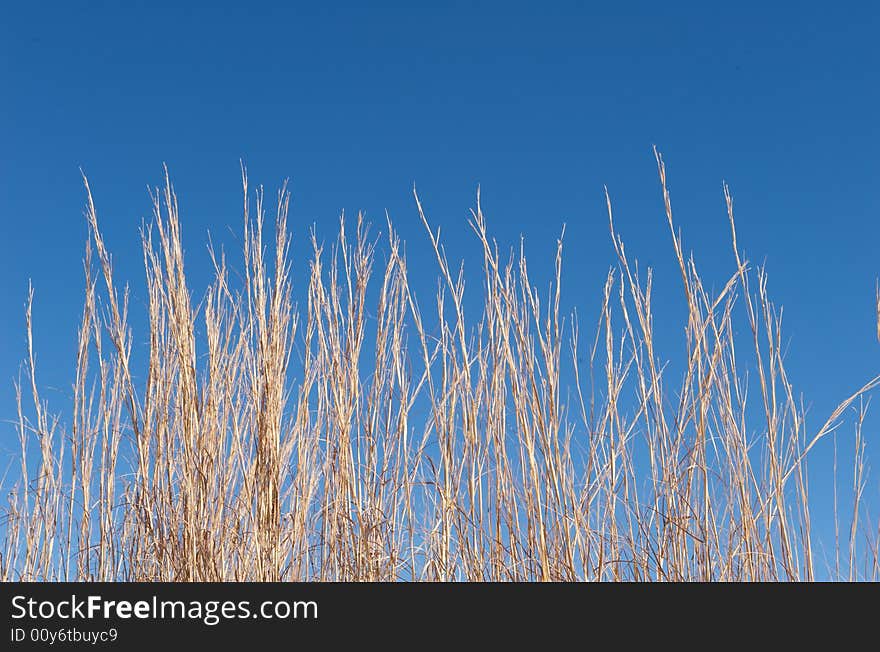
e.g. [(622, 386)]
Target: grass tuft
[(371, 437)]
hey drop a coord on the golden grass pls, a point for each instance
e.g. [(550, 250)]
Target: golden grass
[(413, 445)]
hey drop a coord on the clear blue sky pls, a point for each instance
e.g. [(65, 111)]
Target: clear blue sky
[(540, 105)]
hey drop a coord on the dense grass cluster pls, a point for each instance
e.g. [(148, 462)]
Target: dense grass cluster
[(384, 439)]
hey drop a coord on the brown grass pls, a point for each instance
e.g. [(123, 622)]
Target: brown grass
[(365, 439)]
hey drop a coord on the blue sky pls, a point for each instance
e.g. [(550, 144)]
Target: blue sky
[(541, 106)]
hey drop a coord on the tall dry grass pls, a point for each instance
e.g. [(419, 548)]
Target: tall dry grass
[(385, 438)]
